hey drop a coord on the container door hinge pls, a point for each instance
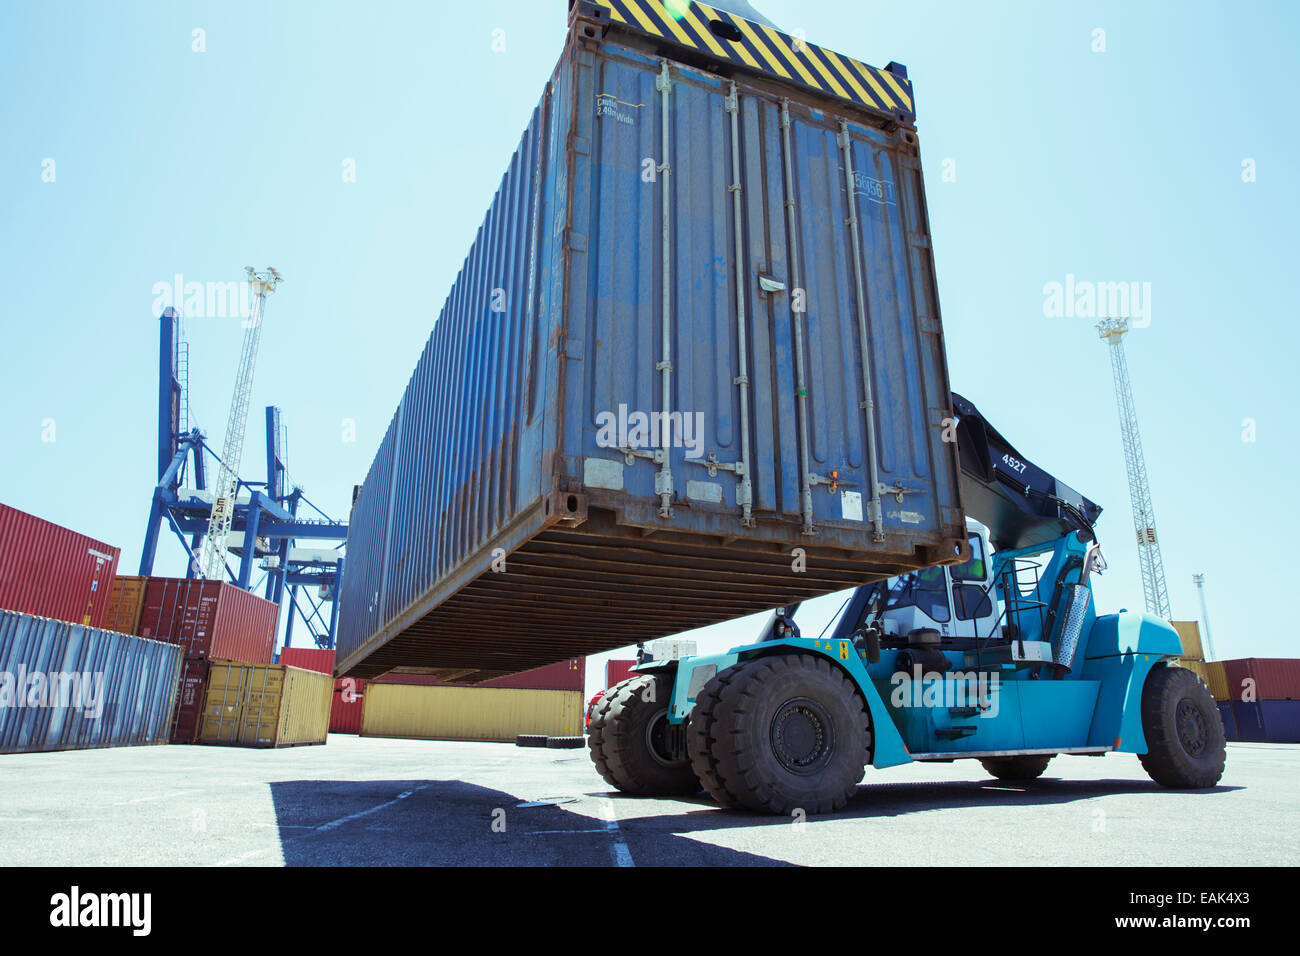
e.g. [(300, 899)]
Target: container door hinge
[(897, 490), (744, 491), (630, 455), (713, 466)]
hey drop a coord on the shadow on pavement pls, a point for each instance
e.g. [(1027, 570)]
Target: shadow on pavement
[(453, 823), (897, 799)]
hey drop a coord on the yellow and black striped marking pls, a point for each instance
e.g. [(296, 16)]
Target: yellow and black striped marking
[(731, 38)]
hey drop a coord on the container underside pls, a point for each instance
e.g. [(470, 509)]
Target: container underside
[(570, 592)]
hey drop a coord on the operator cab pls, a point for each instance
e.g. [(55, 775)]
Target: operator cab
[(956, 600), (953, 601)]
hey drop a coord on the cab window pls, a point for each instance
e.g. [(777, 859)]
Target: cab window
[(973, 568), (971, 602), (926, 589)]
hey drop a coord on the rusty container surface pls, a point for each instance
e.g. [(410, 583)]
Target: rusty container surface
[(698, 330), (51, 571)]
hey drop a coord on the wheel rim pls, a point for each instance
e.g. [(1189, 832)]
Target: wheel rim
[(1193, 731), (656, 740), (801, 736)]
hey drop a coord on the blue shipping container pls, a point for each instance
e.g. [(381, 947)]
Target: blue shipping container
[(70, 687), (1229, 724), (691, 369), (1267, 721)]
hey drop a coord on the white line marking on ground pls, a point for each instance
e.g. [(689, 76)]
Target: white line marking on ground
[(622, 855), (365, 813), (331, 825), (163, 796), (246, 856)]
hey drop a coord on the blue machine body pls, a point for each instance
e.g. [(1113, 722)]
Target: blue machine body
[(983, 704)]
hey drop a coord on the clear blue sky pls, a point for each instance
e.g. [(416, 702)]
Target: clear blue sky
[(1122, 165)]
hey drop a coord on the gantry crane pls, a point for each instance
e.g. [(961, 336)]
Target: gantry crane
[(275, 526), (1112, 332)]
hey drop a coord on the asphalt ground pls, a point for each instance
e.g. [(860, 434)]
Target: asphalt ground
[(375, 802)]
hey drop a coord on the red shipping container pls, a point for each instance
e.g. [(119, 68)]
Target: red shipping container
[(50, 571), (345, 711), (617, 671), (308, 658), (211, 619), (1275, 678), (189, 700), (564, 675)]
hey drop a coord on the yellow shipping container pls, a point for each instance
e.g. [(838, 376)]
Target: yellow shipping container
[(125, 604), (468, 713), (1189, 632), (1197, 668), (265, 705), (1216, 678)]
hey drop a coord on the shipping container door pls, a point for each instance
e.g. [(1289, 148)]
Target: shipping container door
[(896, 330), (616, 358)]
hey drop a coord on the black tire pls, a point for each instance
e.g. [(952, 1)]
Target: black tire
[(566, 743), (626, 740), (530, 740), (780, 734), (1022, 767), (1186, 746)]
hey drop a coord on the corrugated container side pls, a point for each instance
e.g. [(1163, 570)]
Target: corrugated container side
[(1217, 679), (264, 705), (346, 708), (1267, 678), (617, 671), (502, 444), (1267, 721), (189, 700), (125, 604), (1189, 633), (97, 688), (53, 572), (305, 710), (563, 675), (308, 658), (469, 713), (210, 619), (1229, 723)]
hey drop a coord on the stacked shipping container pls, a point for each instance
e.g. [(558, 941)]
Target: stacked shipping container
[(210, 620), (469, 713), (66, 686), (125, 604), (1264, 696), (50, 571), (264, 705), (425, 711), (617, 671), (349, 693)]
